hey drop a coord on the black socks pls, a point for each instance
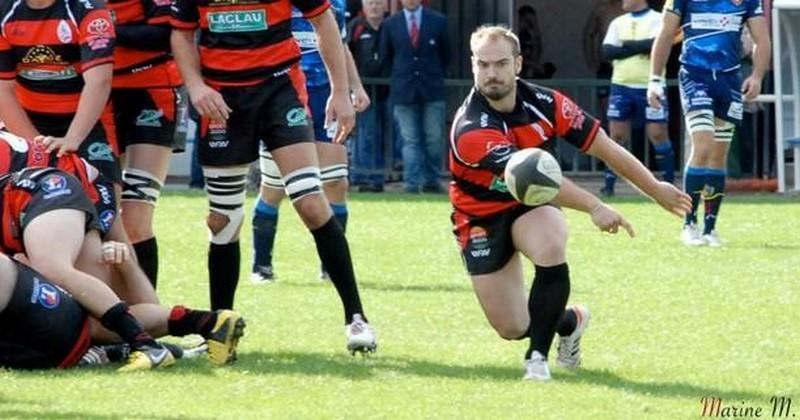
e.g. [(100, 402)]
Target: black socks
[(223, 274), (334, 252)]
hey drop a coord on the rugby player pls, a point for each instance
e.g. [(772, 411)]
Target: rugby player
[(501, 115), (711, 93), (247, 83)]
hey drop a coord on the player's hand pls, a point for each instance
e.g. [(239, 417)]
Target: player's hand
[(115, 252), (208, 102), (655, 91), (360, 99), (609, 220), (62, 144), (672, 199), (751, 87), (340, 109)]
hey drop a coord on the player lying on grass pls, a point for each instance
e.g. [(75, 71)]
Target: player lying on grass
[(48, 217), (42, 326), (501, 115), (129, 281)]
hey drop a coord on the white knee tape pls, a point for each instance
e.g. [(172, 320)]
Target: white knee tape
[(334, 172), (700, 120), (270, 174), (303, 182), (724, 132), (226, 195), (139, 185)]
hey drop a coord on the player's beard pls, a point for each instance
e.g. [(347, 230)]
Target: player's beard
[(496, 90)]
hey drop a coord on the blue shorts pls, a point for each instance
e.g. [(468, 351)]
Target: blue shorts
[(717, 91), (317, 99), (630, 104)]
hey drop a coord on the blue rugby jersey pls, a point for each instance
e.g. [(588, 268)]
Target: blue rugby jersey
[(712, 30), (311, 61)]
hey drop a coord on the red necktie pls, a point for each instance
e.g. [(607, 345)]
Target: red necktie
[(414, 32)]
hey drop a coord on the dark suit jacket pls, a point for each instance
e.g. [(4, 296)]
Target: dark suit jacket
[(417, 74)]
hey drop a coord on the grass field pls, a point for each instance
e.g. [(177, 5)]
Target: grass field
[(670, 326)]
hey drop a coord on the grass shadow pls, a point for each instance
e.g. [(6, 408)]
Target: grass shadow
[(388, 287), (606, 378), (44, 410)]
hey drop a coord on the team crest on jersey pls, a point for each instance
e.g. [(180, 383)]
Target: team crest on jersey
[(64, 32), (41, 54), (99, 33), (45, 294)]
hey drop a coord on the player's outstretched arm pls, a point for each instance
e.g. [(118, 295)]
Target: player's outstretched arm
[(340, 108), (623, 163), (606, 218)]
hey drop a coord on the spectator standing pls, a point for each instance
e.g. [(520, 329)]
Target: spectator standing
[(415, 46), (373, 124)]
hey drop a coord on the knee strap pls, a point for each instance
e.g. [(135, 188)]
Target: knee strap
[(226, 196), (303, 182), (334, 172), (724, 132), (139, 185), (270, 174), (700, 120)]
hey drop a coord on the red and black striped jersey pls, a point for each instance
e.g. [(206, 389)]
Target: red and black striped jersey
[(17, 153), (48, 49), (482, 140), (142, 56), (244, 42)]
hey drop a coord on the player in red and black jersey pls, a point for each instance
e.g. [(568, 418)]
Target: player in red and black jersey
[(55, 76), (247, 84), (42, 326), (147, 104), (501, 115)]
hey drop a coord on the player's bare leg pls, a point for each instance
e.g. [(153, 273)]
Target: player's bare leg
[(145, 171), (301, 176)]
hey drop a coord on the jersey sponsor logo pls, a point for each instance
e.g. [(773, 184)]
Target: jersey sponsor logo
[(107, 219), (45, 294), (544, 97), (100, 151), (42, 54), (64, 32), (306, 40), (297, 117), (498, 185), (87, 4), (484, 120), (716, 22), (54, 186), (572, 114), (66, 73), (25, 184), (99, 34), (240, 21), (149, 118)]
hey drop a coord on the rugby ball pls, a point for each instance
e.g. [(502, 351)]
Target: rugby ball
[(533, 176)]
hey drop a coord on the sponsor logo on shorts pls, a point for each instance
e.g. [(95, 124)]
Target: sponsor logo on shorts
[(45, 294), (53, 185), (149, 118), (218, 144), (107, 219), (654, 113), (479, 242), (100, 151), (26, 184), (498, 185), (238, 21), (105, 194), (64, 32), (297, 117)]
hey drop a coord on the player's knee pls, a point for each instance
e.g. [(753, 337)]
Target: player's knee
[(314, 210), (511, 332), (226, 196), (551, 251), (304, 188), (140, 186)]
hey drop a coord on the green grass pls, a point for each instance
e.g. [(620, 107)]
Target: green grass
[(670, 325)]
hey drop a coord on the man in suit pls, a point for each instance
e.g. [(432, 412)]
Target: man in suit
[(415, 46)]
